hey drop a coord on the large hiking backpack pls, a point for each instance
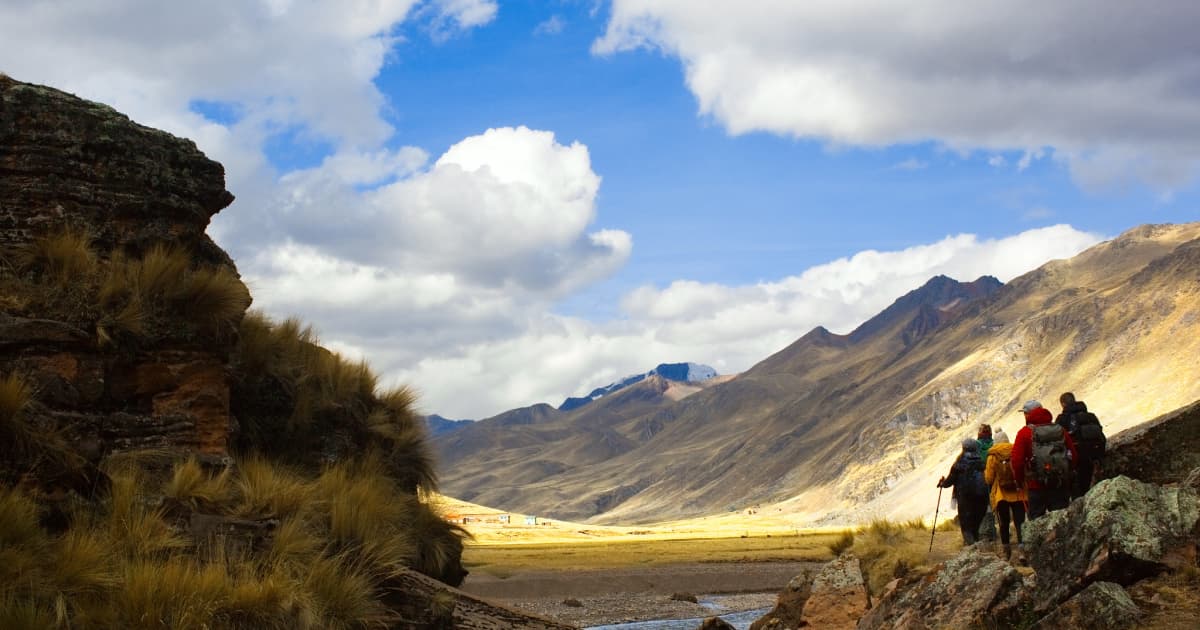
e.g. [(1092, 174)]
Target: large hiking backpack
[(971, 478), (1089, 437), (1050, 464), (1004, 476)]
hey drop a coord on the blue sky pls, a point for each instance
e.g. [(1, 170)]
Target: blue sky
[(503, 203)]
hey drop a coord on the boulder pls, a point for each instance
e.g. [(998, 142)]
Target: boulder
[(789, 607), (1100, 606), (1162, 450), (715, 623), (972, 589), (1122, 531), (839, 595)]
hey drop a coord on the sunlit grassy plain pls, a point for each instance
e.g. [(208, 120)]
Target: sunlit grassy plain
[(502, 550)]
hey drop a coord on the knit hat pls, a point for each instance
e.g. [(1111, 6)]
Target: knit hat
[(970, 444), (1030, 406), (1000, 437)]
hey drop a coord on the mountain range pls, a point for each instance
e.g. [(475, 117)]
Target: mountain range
[(840, 427)]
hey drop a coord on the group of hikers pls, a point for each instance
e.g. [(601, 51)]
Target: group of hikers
[(1051, 462)]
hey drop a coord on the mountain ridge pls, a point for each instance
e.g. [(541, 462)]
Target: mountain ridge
[(806, 426)]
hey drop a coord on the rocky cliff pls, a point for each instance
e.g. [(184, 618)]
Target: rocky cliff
[(166, 458), (69, 166)]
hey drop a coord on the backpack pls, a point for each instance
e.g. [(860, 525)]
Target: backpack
[(1004, 476), (1085, 429), (971, 478), (1050, 464)]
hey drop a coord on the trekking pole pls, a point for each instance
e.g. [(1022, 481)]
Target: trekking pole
[(933, 530)]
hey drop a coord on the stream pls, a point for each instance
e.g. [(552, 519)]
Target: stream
[(739, 620)]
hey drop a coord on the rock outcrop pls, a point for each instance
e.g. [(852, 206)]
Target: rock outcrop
[(1083, 557), (970, 590), (123, 327), (1122, 531), (67, 163), (789, 607), (1100, 606), (1162, 450), (839, 595)]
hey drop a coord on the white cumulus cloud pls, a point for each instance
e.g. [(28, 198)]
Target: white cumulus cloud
[(1111, 89), (728, 327)]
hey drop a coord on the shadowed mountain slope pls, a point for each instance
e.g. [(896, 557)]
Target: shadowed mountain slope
[(862, 422)]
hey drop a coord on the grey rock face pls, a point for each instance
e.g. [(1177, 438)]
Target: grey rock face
[(1122, 531), (1100, 606), (972, 589)]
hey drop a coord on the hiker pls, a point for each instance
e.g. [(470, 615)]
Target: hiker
[(1084, 428), (970, 491), (1042, 459), (1007, 498), (987, 526)]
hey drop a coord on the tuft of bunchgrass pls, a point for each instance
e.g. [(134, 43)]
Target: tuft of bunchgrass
[(842, 543), (135, 529), (267, 488), (344, 595), (366, 514), (25, 614), (439, 543), (888, 550), (191, 484), (61, 257), (15, 394)]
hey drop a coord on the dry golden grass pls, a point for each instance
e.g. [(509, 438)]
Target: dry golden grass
[(122, 298), (890, 549), (632, 551), (348, 530), (61, 257), (842, 543), (271, 489), (15, 395), (191, 484)]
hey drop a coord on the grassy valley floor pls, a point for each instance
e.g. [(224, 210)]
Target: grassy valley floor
[(590, 575)]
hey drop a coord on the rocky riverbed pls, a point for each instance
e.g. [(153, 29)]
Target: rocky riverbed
[(606, 596)]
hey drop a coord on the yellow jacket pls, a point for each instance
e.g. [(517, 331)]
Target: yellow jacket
[(991, 475)]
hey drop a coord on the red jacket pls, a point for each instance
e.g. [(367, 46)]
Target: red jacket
[(1022, 450)]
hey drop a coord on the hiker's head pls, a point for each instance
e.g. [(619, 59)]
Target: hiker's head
[(1035, 413), (1000, 437), (985, 431), (970, 445), (1066, 400)]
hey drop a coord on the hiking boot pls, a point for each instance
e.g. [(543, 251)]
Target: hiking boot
[(1007, 552)]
